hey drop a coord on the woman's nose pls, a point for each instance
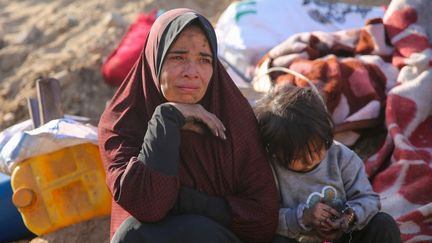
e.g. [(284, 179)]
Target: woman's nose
[(191, 69)]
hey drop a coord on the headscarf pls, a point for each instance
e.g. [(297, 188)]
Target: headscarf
[(235, 169)]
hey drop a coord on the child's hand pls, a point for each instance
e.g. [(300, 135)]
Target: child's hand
[(319, 216), (342, 223)]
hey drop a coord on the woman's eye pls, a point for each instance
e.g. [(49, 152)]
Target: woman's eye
[(176, 58), (206, 60)]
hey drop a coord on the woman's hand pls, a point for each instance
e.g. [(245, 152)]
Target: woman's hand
[(196, 113), (319, 217)]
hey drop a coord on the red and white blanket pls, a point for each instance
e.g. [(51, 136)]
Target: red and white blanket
[(370, 81), (349, 67), (405, 185)]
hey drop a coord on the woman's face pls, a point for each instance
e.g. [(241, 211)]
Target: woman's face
[(187, 68)]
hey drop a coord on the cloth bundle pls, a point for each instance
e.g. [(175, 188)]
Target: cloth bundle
[(349, 69), (118, 64)]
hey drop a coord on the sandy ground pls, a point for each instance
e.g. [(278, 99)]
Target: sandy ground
[(68, 40)]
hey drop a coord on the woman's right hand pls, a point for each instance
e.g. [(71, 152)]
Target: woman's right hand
[(197, 113)]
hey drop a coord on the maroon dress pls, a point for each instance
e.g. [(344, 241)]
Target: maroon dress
[(235, 169)]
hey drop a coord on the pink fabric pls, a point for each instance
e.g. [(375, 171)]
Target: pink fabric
[(120, 61)]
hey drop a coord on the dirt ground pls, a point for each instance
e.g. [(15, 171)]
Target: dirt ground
[(68, 40)]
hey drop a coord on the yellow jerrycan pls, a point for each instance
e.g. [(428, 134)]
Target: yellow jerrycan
[(61, 188)]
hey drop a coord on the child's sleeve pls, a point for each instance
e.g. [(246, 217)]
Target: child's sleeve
[(291, 221), (359, 193)]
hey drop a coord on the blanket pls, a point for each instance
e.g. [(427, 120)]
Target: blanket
[(377, 83), (349, 67), (405, 183)]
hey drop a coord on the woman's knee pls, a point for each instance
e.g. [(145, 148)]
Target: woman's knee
[(127, 232), (282, 239), (202, 229), (386, 226), (183, 228), (384, 221)]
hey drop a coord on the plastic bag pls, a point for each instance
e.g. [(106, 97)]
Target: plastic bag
[(18, 143), (120, 61), (247, 29)]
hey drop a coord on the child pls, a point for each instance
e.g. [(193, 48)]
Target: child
[(325, 193)]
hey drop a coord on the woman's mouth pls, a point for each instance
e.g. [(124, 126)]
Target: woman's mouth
[(187, 88)]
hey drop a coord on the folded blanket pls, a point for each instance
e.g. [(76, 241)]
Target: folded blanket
[(349, 68)]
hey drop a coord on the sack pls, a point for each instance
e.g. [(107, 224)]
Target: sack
[(247, 29), (120, 61), (20, 142)]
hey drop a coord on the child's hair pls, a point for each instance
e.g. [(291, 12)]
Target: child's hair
[(294, 123)]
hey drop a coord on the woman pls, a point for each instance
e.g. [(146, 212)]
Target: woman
[(181, 145)]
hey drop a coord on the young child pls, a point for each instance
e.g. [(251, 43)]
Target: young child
[(325, 193)]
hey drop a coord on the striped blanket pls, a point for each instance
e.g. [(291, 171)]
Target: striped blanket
[(377, 83)]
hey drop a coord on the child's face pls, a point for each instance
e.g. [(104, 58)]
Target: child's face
[(312, 161)]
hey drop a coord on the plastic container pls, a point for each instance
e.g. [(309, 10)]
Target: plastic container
[(62, 188), (12, 227)]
